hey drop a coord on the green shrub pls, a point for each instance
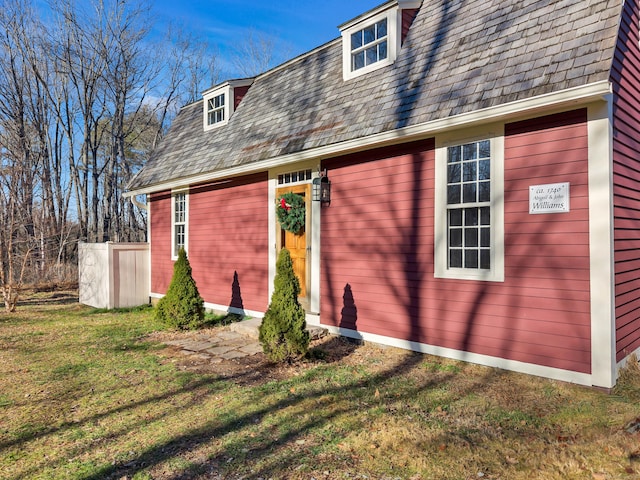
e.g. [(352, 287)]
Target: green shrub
[(283, 332), (182, 307)]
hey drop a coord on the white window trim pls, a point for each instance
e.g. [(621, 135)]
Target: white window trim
[(394, 28), (228, 106), (222, 108), (174, 255), (495, 134)]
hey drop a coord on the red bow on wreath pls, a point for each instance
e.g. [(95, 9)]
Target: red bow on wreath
[(285, 205)]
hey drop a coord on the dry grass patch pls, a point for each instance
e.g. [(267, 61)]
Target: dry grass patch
[(94, 395)]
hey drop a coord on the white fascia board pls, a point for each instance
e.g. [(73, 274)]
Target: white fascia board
[(367, 15), (407, 4), (572, 97), (240, 82)]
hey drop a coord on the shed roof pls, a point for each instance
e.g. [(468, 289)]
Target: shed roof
[(459, 56)]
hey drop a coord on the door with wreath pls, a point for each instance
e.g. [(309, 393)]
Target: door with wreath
[(292, 235)]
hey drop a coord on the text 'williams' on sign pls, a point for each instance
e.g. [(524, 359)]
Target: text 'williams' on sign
[(550, 198)]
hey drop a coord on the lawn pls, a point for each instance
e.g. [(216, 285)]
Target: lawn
[(87, 394)]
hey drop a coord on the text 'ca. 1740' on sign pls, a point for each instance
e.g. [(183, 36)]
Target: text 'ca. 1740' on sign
[(550, 198)]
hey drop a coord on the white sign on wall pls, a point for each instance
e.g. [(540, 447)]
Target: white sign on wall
[(550, 198)]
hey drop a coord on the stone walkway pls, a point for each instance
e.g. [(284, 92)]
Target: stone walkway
[(240, 340)]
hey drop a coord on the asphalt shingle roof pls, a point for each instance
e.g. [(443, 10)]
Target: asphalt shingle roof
[(459, 56)]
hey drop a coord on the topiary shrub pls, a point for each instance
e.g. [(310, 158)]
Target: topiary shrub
[(283, 332), (182, 307)]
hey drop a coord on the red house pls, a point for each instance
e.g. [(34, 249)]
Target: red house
[(483, 159)]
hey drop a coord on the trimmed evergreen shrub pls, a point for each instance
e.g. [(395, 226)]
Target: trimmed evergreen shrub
[(283, 332), (182, 307)]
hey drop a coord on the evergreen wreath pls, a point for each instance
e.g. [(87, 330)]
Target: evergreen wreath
[(291, 212)]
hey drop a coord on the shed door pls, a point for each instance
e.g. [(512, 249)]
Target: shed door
[(296, 243)]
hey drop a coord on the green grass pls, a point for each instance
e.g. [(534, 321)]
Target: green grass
[(84, 396)]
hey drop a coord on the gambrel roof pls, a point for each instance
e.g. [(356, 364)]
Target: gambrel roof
[(459, 57)]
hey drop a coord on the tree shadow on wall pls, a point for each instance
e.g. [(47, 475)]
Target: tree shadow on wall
[(349, 312), (235, 311), (236, 305), (336, 347)]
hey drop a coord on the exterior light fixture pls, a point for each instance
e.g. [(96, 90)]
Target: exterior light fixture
[(322, 189)]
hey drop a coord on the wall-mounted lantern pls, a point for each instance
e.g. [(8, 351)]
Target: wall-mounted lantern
[(322, 189)]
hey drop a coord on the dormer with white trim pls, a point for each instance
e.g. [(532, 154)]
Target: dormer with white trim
[(221, 101), (373, 40)]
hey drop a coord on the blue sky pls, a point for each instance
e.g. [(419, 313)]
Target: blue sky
[(296, 26)]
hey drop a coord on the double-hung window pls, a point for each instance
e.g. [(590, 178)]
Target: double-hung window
[(179, 210), (369, 45), (370, 42), (215, 109), (469, 205), (469, 210)]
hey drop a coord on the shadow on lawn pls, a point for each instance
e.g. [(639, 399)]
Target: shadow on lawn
[(281, 462), (273, 456), (27, 437)]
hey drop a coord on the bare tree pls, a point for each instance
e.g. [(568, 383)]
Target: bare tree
[(83, 101), (190, 66), (128, 78), (256, 54), (20, 152)]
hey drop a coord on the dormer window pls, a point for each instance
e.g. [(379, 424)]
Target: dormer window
[(215, 109), (372, 40), (221, 101)]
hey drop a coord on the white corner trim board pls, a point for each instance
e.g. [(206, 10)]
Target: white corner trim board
[(602, 270)]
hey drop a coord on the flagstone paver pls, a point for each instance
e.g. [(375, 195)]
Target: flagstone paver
[(196, 346), (231, 354), (241, 340), (219, 350), (231, 336), (251, 348)]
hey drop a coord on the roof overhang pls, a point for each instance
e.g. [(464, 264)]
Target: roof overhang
[(569, 98), (240, 82)]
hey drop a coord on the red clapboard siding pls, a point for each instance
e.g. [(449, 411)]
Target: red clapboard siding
[(378, 250), (556, 243), (625, 78), (228, 242), (160, 224)]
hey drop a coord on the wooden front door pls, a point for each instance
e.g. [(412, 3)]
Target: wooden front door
[(296, 243)]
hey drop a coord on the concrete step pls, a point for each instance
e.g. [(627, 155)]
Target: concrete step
[(250, 328)]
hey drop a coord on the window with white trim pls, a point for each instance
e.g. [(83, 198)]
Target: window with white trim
[(295, 177), (370, 42), (469, 209), (369, 45), (215, 109), (469, 205), (179, 218)]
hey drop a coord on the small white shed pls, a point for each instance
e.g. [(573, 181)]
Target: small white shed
[(113, 275)]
